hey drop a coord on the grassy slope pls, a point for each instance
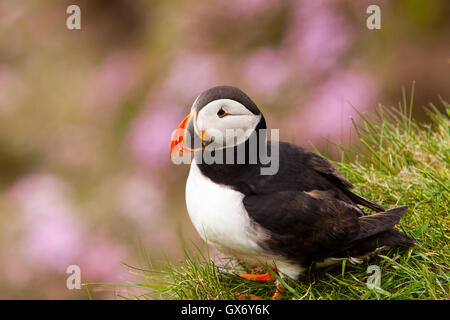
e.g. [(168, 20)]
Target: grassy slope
[(402, 164)]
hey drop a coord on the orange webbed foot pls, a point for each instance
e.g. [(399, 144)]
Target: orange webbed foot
[(262, 278), (279, 289)]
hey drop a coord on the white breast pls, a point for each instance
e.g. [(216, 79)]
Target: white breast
[(219, 216)]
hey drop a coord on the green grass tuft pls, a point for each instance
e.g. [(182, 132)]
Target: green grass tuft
[(402, 163)]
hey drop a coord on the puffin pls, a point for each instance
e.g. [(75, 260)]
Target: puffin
[(303, 214)]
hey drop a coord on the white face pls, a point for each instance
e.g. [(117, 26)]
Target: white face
[(227, 122)]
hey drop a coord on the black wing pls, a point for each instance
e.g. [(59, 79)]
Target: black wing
[(306, 229), (302, 227), (326, 169)]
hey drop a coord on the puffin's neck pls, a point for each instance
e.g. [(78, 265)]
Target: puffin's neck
[(234, 172)]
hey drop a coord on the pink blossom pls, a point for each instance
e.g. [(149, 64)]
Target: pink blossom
[(52, 234), (318, 35), (54, 237), (150, 135), (140, 198), (328, 111), (101, 260), (266, 70), (113, 79), (52, 243), (42, 196), (190, 74)]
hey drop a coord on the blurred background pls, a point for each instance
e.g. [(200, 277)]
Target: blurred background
[(86, 115)]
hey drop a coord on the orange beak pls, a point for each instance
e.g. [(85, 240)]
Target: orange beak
[(177, 145)]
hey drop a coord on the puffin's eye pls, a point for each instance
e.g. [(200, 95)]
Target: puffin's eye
[(221, 113)]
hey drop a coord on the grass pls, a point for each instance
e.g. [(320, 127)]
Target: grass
[(401, 163)]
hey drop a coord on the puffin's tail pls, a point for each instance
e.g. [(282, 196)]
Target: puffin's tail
[(379, 222), (376, 231)]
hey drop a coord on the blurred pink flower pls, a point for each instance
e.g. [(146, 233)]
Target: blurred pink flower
[(113, 79), (318, 35), (53, 236), (101, 260), (265, 71), (42, 196), (140, 198), (53, 243), (150, 135), (328, 111), (52, 233), (190, 74)]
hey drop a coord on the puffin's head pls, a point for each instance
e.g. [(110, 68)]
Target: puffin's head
[(220, 117)]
